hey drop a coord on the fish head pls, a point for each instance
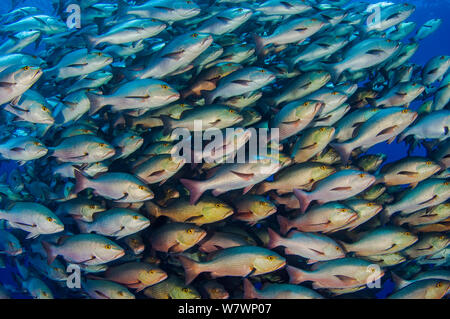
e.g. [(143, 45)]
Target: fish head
[(342, 215), (437, 289), (101, 150), (215, 210), (333, 251), (184, 292), (187, 8)]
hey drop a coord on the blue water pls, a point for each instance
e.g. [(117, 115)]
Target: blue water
[(436, 44)]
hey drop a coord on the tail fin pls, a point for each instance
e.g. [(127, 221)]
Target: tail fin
[(303, 199), (191, 268), (81, 183), (347, 247), (249, 290), (195, 189), (284, 223), (259, 42), (399, 281), (274, 239), (96, 102), (296, 275), (372, 101), (153, 209), (167, 122), (49, 249), (209, 97), (344, 151)]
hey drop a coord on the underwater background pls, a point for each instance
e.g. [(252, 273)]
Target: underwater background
[(437, 43)]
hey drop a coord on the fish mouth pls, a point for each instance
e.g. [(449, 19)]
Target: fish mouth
[(119, 255)]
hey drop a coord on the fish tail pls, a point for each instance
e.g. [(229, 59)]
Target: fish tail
[(96, 102), (284, 223), (399, 281), (191, 268), (167, 122), (303, 199), (83, 226), (249, 290), (81, 181), (49, 249), (344, 150), (259, 42), (153, 209), (274, 238), (194, 187), (296, 275)]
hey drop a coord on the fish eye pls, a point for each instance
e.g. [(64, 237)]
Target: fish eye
[(429, 163), (405, 111), (99, 53), (141, 187), (186, 290), (441, 237), (343, 210), (154, 20), (407, 233), (44, 108), (262, 71), (91, 206), (134, 241), (26, 68), (151, 271), (36, 143), (190, 231), (135, 217), (44, 294), (270, 258), (305, 104), (108, 246), (314, 19), (182, 105), (120, 293), (446, 183), (362, 175), (322, 129), (132, 137), (166, 144), (194, 35), (231, 111), (369, 204), (188, 1), (323, 167), (334, 93), (102, 144), (218, 205), (439, 285), (165, 87), (49, 219), (337, 248)]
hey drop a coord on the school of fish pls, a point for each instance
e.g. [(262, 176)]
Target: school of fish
[(88, 115)]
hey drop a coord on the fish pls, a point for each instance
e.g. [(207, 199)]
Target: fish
[(246, 261), (193, 149)]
